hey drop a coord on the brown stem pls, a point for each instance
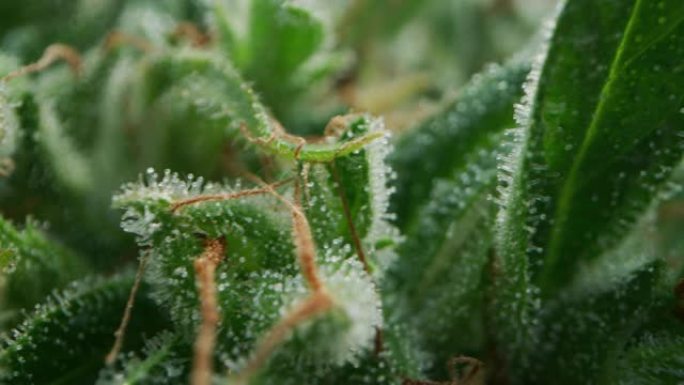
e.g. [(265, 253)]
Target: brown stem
[(226, 196), (318, 302), (205, 272), (52, 53), (473, 370), (350, 222), (301, 233), (121, 331), (117, 38), (379, 340)]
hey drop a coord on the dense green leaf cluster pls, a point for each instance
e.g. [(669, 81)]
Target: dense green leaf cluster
[(525, 229)]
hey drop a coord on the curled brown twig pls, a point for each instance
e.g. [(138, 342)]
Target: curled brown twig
[(51, 54)]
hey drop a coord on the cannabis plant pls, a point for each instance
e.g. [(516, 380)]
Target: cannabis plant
[(206, 192)]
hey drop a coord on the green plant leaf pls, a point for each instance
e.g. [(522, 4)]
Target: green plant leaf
[(438, 277), (583, 337), (367, 19), (592, 157), (260, 263), (656, 360), (70, 165), (213, 86), (9, 125), (654, 353), (348, 198), (164, 360), (32, 265), (271, 60), (441, 144), (9, 119), (66, 339), (270, 46)]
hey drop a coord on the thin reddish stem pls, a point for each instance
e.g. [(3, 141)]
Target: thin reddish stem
[(51, 54), (205, 273), (225, 196), (121, 331)]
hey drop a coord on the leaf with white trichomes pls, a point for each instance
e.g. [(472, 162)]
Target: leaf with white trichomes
[(67, 338)]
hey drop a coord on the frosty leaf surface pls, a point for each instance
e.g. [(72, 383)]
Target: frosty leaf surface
[(593, 158), (590, 159), (164, 359), (584, 337), (440, 145), (67, 338), (32, 265), (213, 85)]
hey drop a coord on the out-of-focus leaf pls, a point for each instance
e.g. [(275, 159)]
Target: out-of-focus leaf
[(656, 360), (582, 338), (32, 266), (214, 87), (278, 38), (440, 145), (66, 339), (164, 360), (438, 278), (368, 19)]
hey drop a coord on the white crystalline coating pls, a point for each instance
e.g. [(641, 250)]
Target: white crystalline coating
[(512, 186), (524, 109), (151, 189), (61, 302), (355, 295), (169, 188), (512, 164), (379, 178)]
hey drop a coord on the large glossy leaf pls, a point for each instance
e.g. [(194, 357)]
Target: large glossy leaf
[(592, 155)]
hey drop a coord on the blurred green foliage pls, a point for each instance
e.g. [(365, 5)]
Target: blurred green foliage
[(517, 209)]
